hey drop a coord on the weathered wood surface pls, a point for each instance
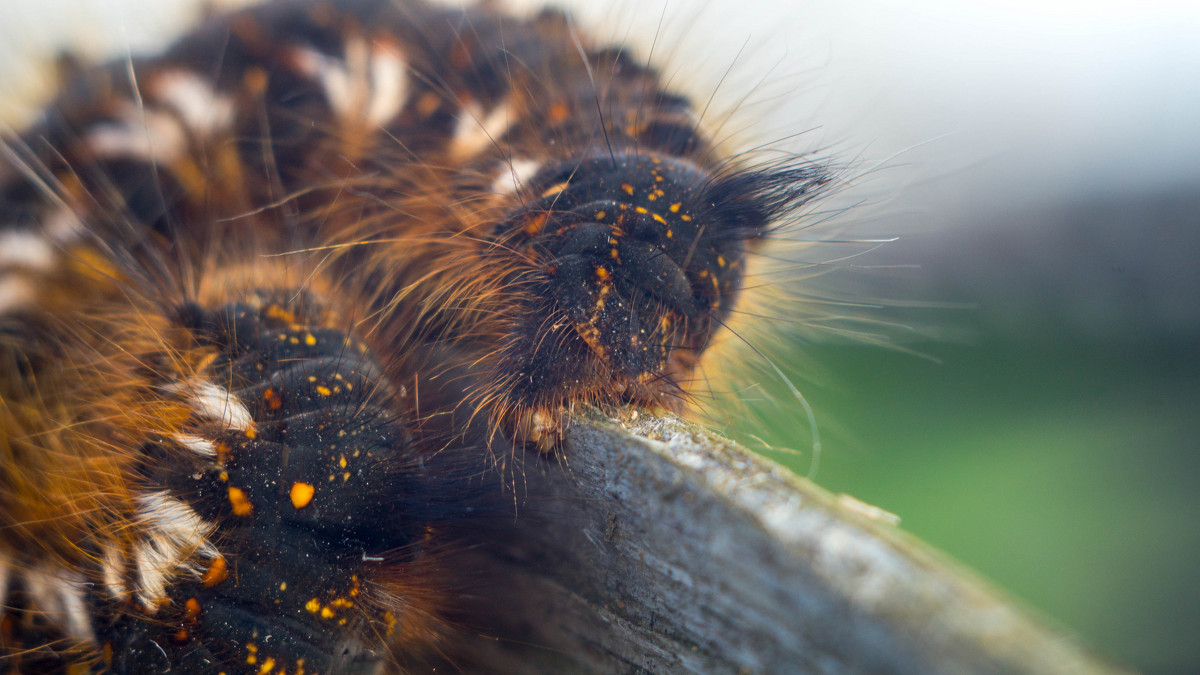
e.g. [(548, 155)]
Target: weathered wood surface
[(653, 546)]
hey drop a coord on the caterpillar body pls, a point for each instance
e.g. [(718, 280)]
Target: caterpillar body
[(270, 300)]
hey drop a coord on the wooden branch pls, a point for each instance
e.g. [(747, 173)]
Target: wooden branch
[(655, 546)]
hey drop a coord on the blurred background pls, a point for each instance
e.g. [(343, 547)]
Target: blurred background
[(1017, 376)]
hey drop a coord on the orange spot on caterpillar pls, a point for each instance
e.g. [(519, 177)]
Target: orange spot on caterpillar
[(555, 189), (535, 224), (241, 504), (191, 609), (428, 104), (277, 312), (255, 80), (557, 113), (218, 571), (301, 494)]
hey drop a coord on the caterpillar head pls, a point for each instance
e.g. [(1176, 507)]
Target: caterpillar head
[(629, 262)]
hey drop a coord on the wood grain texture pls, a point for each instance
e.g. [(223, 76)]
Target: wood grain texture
[(654, 546)]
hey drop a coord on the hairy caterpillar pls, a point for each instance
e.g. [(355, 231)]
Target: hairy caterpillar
[(270, 299)]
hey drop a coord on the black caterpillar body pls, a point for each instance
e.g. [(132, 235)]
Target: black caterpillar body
[(273, 300)]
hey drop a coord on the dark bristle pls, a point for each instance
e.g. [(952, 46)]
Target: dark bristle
[(761, 197)]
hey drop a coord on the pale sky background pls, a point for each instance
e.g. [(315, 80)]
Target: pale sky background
[(1020, 148), (1054, 96)]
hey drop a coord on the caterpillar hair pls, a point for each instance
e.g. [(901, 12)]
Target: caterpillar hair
[(274, 300)]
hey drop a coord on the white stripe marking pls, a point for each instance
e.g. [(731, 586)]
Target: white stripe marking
[(176, 522), (335, 79), (176, 535), (150, 135), (58, 595), (152, 568), (26, 249), (389, 84), (345, 85), (475, 132), (216, 403), (113, 569), (371, 84), (64, 226), (192, 98), (197, 444), (514, 175)]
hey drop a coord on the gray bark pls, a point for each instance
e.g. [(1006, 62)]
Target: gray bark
[(654, 546)]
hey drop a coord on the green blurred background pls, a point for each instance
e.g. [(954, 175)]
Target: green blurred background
[(1049, 437)]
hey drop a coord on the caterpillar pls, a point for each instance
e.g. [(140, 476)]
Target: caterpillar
[(274, 299)]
